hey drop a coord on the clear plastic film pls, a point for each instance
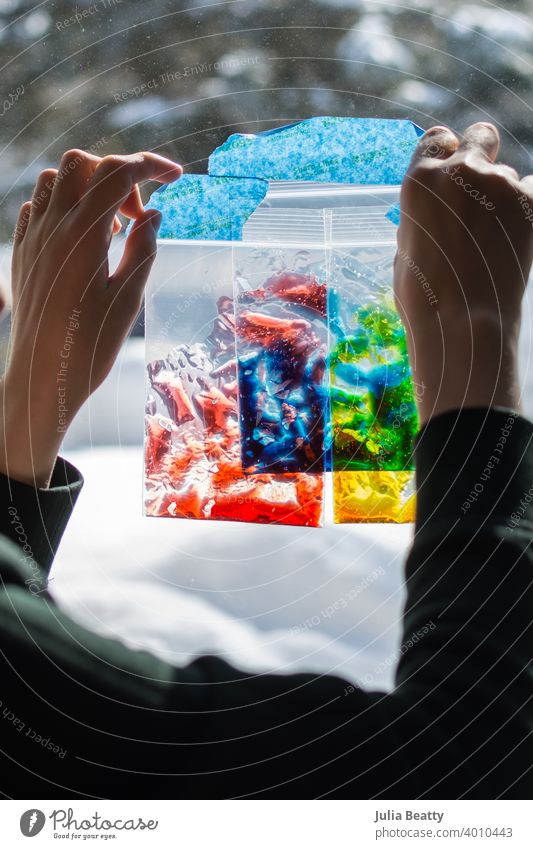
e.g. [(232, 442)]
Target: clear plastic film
[(282, 342), (193, 456), (373, 411), (274, 352), (370, 421)]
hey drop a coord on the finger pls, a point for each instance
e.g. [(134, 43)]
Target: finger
[(526, 185), (114, 178), (133, 206), (22, 223), (436, 143), (482, 139), (507, 172), (75, 170), (43, 191), (130, 278)]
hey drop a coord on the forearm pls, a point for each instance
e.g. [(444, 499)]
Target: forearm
[(31, 430), (469, 579), (464, 361)]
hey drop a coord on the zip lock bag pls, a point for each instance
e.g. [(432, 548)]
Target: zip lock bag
[(279, 388)]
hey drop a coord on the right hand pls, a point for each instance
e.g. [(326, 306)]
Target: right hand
[(465, 247)]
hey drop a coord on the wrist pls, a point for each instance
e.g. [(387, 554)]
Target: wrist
[(30, 435), (466, 364)]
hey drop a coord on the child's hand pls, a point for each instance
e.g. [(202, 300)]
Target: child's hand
[(70, 316), (465, 246)]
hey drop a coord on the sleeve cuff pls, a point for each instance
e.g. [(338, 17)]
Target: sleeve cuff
[(35, 519), (475, 462)]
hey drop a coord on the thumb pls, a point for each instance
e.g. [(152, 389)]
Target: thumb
[(129, 279)]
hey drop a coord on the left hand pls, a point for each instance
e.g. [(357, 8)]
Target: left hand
[(70, 317)]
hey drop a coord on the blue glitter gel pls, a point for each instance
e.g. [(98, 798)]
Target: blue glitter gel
[(200, 207), (282, 358), (366, 151)]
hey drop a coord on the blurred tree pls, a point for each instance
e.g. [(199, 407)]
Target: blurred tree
[(122, 75)]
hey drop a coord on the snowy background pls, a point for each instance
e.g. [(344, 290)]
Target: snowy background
[(276, 598), (177, 76)]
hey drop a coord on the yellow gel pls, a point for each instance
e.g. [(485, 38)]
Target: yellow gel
[(373, 497)]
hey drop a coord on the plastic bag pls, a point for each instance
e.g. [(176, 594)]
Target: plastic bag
[(274, 352)]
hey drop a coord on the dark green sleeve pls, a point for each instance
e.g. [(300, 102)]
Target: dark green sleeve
[(35, 518), (470, 573), (118, 723), (458, 722)]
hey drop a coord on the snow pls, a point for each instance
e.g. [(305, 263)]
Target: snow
[(272, 598)]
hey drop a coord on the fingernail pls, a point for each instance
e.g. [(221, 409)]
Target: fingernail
[(156, 221)]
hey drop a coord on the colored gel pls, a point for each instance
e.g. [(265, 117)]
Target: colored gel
[(374, 419), (193, 465), (373, 497), (373, 411), (282, 359)]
